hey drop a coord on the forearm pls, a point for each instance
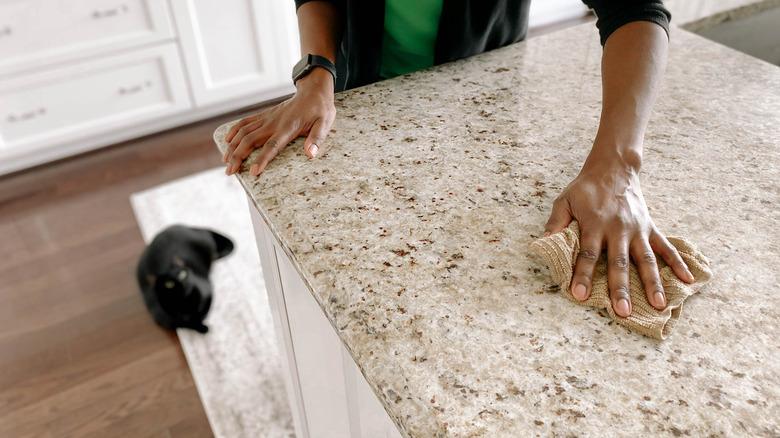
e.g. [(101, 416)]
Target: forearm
[(632, 66), (319, 24), (606, 198)]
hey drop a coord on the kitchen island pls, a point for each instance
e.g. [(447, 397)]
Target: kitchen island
[(400, 276)]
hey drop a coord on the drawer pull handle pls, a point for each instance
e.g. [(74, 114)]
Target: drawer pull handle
[(126, 91), (22, 117), (97, 14), (6, 31)]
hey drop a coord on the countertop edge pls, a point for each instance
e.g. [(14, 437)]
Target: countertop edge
[(299, 269)]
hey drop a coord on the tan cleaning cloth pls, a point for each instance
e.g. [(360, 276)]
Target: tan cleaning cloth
[(559, 252)]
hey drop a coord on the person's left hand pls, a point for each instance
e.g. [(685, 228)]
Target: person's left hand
[(607, 202)]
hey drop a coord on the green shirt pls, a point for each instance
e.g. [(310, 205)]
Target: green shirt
[(410, 35)]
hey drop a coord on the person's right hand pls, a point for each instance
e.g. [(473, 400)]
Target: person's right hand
[(309, 112)]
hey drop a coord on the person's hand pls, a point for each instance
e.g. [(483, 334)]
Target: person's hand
[(607, 202), (309, 112)]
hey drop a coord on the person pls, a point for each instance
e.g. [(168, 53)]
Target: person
[(372, 40)]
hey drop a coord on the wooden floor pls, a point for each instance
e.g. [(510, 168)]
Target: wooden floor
[(79, 354)]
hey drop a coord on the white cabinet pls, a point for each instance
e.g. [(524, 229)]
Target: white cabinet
[(89, 98), (227, 48), (37, 32), (76, 75), (329, 397)]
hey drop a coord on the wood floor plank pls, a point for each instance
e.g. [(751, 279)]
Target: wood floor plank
[(79, 353), (93, 274), (96, 402), (119, 324), (161, 405), (191, 427), (35, 374)]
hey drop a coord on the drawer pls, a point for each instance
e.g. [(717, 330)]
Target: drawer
[(71, 103), (37, 32)]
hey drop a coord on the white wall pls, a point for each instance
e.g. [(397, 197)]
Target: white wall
[(547, 12)]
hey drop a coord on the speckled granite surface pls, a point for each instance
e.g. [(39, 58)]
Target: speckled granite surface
[(413, 235)]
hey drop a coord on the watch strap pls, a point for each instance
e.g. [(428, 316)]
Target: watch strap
[(309, 63)]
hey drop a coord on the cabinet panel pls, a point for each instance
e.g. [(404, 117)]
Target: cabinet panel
[(328, 394), (61, 105), (318, 358), (235, 48), (273, 287), (367, 416), (35, 32)]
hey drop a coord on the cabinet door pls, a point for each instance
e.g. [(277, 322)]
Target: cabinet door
[(38, 32), (237, 48), (40, 113)]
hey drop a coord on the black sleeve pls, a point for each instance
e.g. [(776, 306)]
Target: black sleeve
[(611, 14)]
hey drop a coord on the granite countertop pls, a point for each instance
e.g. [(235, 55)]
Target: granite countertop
[(413, 231)]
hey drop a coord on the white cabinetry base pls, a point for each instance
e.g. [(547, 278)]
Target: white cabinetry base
[(329, 397)]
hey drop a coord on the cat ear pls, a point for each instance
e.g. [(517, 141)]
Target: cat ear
[(224, 244)]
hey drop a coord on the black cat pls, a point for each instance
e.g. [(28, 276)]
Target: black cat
[(173, 274)]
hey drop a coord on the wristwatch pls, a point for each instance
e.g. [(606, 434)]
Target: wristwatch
[(309, 63)]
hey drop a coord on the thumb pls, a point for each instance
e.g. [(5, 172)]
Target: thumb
[(560, 217), (313, 144)]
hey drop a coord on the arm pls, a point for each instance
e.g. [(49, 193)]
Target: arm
[(631, 69), (606, 198), (309, 112)]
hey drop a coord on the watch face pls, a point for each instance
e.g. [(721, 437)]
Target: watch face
[(302, 67)]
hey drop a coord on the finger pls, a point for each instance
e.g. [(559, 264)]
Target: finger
[(590, 250), (644, 258), (669, 254), (560, 217), (249, 143), (242, 133), (617, 275), (241, 123), (270, 149), (234, 129), (231, 134), (316, 138)]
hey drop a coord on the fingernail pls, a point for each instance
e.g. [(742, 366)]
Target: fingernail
[(313, 150), (255, 170), (622, 308), (690, 276), (579, 292), (659, 299)]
